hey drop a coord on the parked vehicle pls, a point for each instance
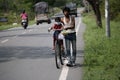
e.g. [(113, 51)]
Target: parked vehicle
[(3, 19), (73, 8), (41, 13)]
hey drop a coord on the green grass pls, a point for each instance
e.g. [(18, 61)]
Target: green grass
[(8, 26), (102, 54), (5, 26)]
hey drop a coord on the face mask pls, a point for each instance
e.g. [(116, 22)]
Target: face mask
[(58, 23)]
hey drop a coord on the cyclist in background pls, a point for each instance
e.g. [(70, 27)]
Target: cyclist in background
[(70, 36)]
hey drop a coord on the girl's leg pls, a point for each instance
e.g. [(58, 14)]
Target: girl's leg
[(54, 39)]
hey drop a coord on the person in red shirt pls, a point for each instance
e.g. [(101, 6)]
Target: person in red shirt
[(57, 27)]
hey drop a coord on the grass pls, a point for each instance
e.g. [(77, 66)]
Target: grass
[(102, 54), (5, 26)]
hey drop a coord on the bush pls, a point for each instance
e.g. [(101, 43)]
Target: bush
[(101, 53)]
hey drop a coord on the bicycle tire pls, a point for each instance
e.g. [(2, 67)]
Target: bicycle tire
[(62, 57), (58, 56)]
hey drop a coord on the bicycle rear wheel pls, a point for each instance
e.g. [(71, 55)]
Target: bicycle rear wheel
[(58, 56)]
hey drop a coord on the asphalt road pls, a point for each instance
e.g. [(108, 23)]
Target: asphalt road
[(28, 55)]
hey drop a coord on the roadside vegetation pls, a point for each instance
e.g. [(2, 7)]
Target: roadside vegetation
[(12, 8), (102, 54), (5, 26)]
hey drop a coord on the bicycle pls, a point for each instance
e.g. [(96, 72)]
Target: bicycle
[(59, 51), (59, 54)]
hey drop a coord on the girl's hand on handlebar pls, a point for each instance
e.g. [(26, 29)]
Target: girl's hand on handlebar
[(49, 29)]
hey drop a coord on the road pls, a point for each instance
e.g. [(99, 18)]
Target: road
[(28, 55)]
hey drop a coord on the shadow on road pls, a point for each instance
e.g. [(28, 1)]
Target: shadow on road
[(11, 53)]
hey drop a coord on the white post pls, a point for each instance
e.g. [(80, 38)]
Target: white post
[(107, 18)]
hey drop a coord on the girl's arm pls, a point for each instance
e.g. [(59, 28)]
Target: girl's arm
[(50, 28)]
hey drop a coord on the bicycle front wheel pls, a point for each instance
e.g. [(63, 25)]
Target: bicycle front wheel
[(58, 57)]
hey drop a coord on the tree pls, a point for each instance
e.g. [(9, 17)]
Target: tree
[(59, 3), (95, 5)]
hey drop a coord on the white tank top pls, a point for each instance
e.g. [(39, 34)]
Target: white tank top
[(68, 24)]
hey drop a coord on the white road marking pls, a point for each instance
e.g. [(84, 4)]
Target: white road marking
[(4, 41), (64, 73), (77, 28), (13, 37), (65, 69)]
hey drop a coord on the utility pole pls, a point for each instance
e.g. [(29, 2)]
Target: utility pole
[(107, 18)]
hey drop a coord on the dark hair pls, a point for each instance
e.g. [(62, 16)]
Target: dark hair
[(23, 11), (57, 19), (66, 9)]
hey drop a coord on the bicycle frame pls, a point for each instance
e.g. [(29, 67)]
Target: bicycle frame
[(59, 53)]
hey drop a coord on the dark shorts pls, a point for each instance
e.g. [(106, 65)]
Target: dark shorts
[(55, 34)]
